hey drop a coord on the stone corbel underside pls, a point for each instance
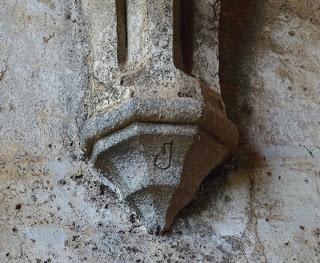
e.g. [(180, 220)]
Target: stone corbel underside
[(157, 123)]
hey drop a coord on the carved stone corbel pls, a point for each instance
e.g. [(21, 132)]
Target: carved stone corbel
[(155, 131)]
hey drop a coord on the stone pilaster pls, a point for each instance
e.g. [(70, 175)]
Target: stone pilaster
[(157, 124)]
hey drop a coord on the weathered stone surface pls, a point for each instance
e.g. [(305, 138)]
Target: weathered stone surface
[(264, 207), (157, 167), (154, 65)]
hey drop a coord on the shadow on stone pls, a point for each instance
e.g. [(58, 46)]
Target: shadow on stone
[(240, 22)]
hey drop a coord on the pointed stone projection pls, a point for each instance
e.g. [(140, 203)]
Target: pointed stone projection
[(157, 124)]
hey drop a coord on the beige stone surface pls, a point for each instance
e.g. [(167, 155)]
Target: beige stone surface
[(262, 207)]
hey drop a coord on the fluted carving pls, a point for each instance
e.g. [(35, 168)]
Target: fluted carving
[(157, 123)]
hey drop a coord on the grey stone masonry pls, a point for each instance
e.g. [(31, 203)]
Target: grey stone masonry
[(155, 127)]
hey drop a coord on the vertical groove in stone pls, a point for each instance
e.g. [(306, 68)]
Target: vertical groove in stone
[(122, 32), (183, 34)]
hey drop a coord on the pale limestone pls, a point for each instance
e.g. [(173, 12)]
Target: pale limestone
[(265, 210)]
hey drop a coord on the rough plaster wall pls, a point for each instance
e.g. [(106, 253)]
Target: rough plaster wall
[(269, 74), (263, 207)]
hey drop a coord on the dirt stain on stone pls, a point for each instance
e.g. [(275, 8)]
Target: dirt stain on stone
[(46, 39), (49, 3)]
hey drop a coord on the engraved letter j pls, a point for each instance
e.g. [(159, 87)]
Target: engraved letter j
[(164, 158)]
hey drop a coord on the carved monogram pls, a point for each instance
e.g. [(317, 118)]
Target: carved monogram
[(163, 159)]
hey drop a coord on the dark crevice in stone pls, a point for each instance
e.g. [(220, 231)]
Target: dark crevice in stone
[(122, 32), (183, 34)]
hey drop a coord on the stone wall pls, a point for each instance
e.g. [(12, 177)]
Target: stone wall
[(262, 206)]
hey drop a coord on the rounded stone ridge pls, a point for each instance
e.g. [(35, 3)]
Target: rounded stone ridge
[(148, 110), (210, 117)]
